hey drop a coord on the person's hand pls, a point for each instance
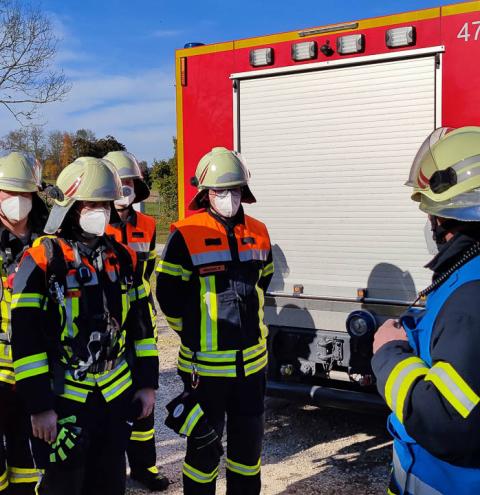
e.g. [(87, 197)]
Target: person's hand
[(44, 425), (147, 397), (391, 330)]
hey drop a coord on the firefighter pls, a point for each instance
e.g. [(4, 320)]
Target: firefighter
[(138, 231), (426, 363), (212, 278), (84, 352), (22, 218)]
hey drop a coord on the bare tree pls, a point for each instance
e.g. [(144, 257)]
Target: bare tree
[(29, 139), (55, 146), (28, 46)]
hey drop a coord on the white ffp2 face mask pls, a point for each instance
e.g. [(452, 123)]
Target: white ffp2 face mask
[(432, 247), (226, 203), (16, 208), (95, 221), (127, 199)]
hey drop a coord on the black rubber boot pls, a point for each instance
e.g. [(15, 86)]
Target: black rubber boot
[(155, 482)]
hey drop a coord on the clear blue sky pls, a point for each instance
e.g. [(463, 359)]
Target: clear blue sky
[(119, 55)]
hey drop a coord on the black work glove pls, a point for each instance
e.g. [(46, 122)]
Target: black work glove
[(183, 414), (70, 445), (186, 417)]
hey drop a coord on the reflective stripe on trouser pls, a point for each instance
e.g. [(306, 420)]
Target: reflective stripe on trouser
[(242, 401), (245, 434), (17, 468), (141, 447)]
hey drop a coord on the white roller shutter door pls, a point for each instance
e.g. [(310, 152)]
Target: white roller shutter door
[(329, 152)]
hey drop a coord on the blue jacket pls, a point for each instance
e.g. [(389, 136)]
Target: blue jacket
[(432, 389)]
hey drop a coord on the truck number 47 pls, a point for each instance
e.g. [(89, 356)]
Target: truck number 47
[(467, 31)]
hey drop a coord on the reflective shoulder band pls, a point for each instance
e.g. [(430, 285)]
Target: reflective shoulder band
[(453, 388), (400, 381)]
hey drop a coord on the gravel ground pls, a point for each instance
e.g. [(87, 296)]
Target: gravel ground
[(307, 450)]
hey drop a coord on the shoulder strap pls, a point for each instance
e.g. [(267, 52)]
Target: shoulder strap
[(124, 258)]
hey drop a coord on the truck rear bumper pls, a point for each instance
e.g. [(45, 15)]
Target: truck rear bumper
[(327, 397)]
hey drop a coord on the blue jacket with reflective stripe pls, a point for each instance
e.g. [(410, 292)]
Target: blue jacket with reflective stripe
[(416, 471)]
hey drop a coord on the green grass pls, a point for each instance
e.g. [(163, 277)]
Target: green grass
[(163, 225)]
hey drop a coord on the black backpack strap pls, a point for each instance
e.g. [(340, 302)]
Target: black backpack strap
[(126, 268)]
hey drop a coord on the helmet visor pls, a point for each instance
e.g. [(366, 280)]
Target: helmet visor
[(463, 207), (425, 154)]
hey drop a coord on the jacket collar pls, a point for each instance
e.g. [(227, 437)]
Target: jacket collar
[(229, 223), (450, 252)]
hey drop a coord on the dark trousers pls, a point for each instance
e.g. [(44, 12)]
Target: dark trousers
[(141, 447), (241, 400), (100, 469), (18, 475)]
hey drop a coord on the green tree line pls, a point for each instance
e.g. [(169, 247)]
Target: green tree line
[(56, 149)]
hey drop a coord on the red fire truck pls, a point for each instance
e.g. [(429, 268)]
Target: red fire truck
[(329, 119)]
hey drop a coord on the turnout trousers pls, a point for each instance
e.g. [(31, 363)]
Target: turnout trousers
[(141, 450), (241, 401), (18, 474), (100, 469)]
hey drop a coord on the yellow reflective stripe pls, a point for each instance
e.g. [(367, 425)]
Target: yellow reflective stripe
[(5, 304), (7, 376), (256, 366), (254, 351), (261, 313), (30, 366), (268, 270), (209, 314), (27, 300), (125, 306), (146, 347), (206, 370), (152, 255), (153, 470), (244, 469), (137, 293), (142, 436), (227, 355), (115, 389), (399, 382), (24, 475), (103, 378), (174, 270), (75, 393), (191, 420), (3, 481), (175, 323), (197, 475), (210, 356), (453, 387), (226, 370)]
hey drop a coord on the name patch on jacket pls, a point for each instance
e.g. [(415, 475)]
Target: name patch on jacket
[(137, 234), (213, 242), (211, 269)]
